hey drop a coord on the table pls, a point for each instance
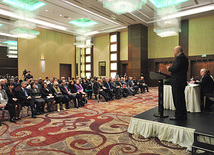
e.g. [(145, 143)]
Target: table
[(192, 97)]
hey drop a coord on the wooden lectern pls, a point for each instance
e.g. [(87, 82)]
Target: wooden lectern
[(159, 76)]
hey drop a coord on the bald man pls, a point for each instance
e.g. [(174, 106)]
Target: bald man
[(178, 82)]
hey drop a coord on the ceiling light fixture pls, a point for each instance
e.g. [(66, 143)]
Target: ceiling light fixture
[(1, 24), (13, 15), (90, 12), (165, 3), (25, 33), (82, 22), (123, 6), (167, 27), (29, 5)]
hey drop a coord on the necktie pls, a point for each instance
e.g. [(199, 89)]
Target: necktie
[(66, 88), (25, 92), (109, 86)]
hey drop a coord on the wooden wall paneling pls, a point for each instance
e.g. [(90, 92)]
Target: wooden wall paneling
[(137, 50)]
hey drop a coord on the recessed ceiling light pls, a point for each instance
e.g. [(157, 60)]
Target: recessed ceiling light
[(46, 10), (60, 15)]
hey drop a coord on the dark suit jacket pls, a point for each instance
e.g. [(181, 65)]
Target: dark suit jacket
[(45, 92), (21, 94), (96, 87), (118, 83), (179, 70), (63, 90), (207, 84)]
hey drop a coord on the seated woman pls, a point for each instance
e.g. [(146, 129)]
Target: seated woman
[(12, 99), (4, 104), (81, 93), (37, 97), (73, 90), (47, 96), (60, 99)]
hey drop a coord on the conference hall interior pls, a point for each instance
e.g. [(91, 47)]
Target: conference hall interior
[(107, 77)]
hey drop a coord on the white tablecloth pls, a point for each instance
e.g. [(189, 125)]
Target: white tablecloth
[(165, 132), (192, 97)]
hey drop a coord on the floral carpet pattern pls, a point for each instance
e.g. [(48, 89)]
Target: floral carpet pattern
[(96, 129)]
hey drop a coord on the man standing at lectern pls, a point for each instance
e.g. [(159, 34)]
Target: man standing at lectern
[(178, 82)]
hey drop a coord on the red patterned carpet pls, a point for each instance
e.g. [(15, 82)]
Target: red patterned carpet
[(96, 129)]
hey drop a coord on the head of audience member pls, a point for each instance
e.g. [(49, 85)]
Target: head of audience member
[(56, 84), (62, 78), (84, 81), (130, 78), (69, 78), (33, 85), (203, 72), (10, 86), (110, 78), (63, 82), (114, 79), (46, 78), (104, 79), (55, 80), (122, 79), (71, 82), (36, 81), (2, 82), (51, 80), (177, 50), (141, 77), (44, 85), (11, 81), (24, 84), (77, 81), (28, 72), (0, 87), (40, 79), (118, 79), (107, 79), (92, 79)]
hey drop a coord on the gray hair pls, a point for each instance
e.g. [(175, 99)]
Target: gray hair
[(204, 70), (24, 82)]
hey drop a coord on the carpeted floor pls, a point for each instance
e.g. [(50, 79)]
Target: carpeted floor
[(96, 129)]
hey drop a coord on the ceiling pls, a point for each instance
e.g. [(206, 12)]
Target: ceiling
[(57, 14)]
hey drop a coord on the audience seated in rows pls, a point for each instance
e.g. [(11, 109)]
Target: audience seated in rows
[(38, 94)]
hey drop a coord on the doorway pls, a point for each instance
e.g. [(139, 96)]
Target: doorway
[(65, 70)]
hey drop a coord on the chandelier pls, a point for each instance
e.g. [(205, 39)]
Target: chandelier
[(123, 6), (23, 28), (165, 26), (83, 42), (25, 33)]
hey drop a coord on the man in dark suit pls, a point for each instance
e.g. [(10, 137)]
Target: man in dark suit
[(25, 98), (178, 82), (108, 89), (206, 86), (68, 95)]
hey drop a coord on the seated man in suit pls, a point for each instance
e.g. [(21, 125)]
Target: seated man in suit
[(116, 88), (143, 85), (124, 90), (132, 85), (108, 89), (67, 94), (24, 95), (206, 85), (7, 105), (130, 90), (98, 89)]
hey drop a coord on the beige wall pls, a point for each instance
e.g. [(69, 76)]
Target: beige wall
[(52, 46), (160, 47), (201, 36), (124, 45), (101, 53)]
